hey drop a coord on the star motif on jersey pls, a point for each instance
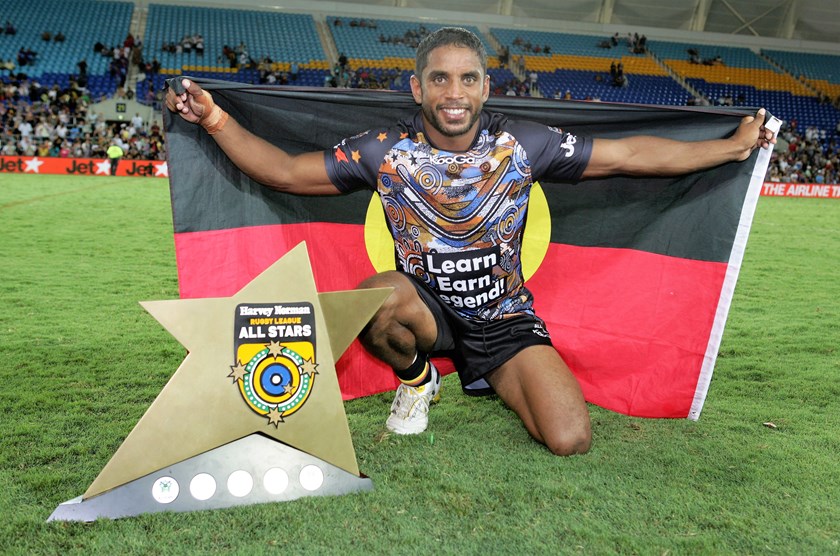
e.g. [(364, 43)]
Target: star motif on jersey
[(237, 372), (103, 167), (382, 136), (413, 159), (340, 156), (356, 156), (33, 165), (403, 135)]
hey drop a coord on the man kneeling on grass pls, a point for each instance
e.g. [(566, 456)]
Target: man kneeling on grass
[(454, 180)]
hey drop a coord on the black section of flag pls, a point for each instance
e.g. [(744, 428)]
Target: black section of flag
[(694, 216)]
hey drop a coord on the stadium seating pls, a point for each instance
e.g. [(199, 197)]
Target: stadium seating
[(757, 79), (281, 37), (565, 43), (821, 71), (278, 36), (792, 85), (376, 44), (732, 57), (80, 21)]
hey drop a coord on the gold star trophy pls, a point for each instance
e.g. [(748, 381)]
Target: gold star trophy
[(254, 413)]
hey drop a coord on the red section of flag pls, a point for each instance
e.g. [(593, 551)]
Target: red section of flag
[(337, 253), (656, 311)]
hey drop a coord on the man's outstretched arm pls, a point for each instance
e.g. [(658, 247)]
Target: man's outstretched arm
[(656, 156), (303, 174)]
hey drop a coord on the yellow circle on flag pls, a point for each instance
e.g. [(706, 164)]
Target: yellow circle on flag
[(380, 245)]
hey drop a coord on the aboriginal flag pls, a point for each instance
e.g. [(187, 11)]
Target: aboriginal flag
[(633, 276)]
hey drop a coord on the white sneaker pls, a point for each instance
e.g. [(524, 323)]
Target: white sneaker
[(410, 410)]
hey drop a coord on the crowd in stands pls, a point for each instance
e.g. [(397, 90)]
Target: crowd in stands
[(505, 61), (369, 23), (237, 57), (411, 38), (269, 75), (514, 87), (366, 78), (524, 46), (187, 44), (805, 156), (39, 121), (635, 43), (55, 122), (120, 56), (694, 58), (25, 57), (46, 36), (50, 121), (617, 77)]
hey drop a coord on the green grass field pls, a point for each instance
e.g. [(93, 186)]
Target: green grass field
[(82, 361)]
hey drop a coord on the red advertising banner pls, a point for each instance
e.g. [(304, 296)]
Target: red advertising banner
[(159, 169), (82, 166), (812, 190)]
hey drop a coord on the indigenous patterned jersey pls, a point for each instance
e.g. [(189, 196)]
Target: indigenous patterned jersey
[(457, 218)]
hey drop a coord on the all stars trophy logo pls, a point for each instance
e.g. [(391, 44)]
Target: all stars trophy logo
[(274, 357)]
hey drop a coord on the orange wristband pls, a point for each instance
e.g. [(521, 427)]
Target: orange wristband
[(214, 118), (215, 121)]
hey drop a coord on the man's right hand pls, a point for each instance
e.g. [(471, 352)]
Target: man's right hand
[(195, 105), (301, 174)]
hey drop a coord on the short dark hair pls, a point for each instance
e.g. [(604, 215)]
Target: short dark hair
[(445, 36)]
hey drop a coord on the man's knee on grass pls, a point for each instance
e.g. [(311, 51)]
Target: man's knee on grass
[(570, 440)]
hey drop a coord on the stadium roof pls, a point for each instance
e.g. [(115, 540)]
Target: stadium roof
[(797, 20)]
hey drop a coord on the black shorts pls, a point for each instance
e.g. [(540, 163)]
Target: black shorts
[(478, 347)]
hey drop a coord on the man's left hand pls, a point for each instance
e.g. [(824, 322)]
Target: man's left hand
[(753, 134)]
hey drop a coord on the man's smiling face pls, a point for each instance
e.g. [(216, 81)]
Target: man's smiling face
[(451, 92)]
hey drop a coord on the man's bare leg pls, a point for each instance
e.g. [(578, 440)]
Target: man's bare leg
[(402, 333), (402, 325), (538, 385)]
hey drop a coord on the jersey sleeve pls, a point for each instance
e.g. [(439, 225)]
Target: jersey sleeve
[(354, 163), (554, 154)]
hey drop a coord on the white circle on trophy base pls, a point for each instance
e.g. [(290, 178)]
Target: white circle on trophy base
[(203, 486), (240, 483), (311, 477), (275, 480), (165, 490)]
